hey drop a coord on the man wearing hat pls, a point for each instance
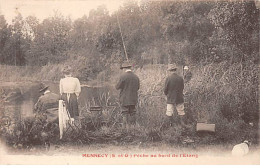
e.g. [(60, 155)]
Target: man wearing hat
[(46, 108), (173, 89), (128, 85)]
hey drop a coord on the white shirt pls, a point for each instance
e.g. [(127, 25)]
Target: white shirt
[(47, 91), (70, 85), (128, 70)]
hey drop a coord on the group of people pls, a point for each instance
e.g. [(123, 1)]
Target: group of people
[(128, 84), (46, 108)]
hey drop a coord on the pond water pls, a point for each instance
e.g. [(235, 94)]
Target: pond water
[(21, 97)]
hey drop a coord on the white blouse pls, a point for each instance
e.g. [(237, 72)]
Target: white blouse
[(70, 85)]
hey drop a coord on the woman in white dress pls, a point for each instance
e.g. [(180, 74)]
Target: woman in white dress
[(70, 90)]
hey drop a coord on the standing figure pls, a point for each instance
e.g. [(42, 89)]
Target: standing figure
[(128, 85), (46, 108), (173, 89), (187, 75), (70, 90)]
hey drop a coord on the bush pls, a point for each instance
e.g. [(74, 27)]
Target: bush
[(29, 133), (223, 89)]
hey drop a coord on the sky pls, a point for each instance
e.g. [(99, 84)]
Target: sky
[(45, 8)]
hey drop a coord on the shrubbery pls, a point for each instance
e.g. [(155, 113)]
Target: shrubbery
[(223, 94)]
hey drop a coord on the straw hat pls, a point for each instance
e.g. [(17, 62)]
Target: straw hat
[(125, 65), (172, 67)]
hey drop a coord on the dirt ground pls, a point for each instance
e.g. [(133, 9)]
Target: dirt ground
[(152, 153)]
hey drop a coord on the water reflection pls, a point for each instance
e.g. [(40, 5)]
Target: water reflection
[(20, 98)]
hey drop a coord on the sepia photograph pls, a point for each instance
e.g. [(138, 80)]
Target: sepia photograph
[(129, 82)]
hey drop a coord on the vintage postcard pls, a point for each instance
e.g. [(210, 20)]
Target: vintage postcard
[(129, 82)]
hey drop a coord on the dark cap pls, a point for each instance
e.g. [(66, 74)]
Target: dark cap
[(43, 88), (172, 67), (67, 70)]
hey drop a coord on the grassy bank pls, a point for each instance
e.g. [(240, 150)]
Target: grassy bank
[(49, 72), (223, 94)]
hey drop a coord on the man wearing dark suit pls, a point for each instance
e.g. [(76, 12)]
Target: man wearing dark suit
[(128, 85), (173, 89), (46, 108)]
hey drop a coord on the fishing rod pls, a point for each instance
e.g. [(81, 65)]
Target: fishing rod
[(121, 36)]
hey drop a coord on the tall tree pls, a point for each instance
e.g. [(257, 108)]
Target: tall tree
[(51, 42), (186, 30), (237, 29), (5, 34), (15, 44)]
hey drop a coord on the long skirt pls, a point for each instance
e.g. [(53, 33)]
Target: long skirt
[(71, 103)]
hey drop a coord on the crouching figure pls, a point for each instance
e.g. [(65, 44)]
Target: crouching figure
[(46, 113), (46, 108)]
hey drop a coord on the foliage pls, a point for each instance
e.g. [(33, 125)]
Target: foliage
[(153, 32), (218, 40), (236, 26)]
